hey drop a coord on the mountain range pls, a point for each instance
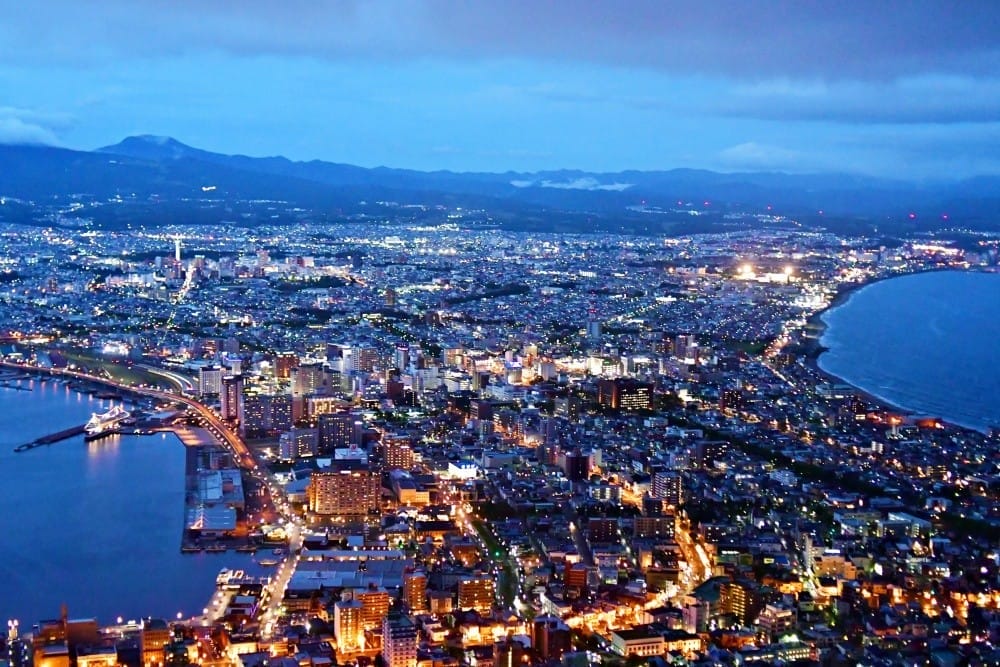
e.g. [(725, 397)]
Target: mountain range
[(144, 167)]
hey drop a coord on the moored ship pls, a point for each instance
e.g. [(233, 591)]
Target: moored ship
[(101, 424)]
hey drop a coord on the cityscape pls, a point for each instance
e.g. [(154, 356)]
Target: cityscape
[(448, 445), (725, 392)]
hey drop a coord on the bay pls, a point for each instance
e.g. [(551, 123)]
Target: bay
[(928, 343), (96, 525)]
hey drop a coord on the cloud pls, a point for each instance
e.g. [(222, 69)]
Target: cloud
[(24, 126), (911, 100), (582, 183), (755, 156), (731, 38)]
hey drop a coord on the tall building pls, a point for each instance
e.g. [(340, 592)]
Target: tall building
[(346, 491), (399, 641), (347, 624), (209, 381), (284, 362), (576, 465), (336, 431), (476, 593), (603, 530), (256, 415), (624, 394), (686, 348), (550, 637), (402, 359), (659, 527), (396, 451), (231, 396), (281, 412), (742, 599), (415, 591), (593, 330), (155, 635), (375, 603), (308, 379), (667, 485)]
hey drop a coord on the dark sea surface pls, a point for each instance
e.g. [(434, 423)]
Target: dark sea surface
[(95, 525), (928, 343)]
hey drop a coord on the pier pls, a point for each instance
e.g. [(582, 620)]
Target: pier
[(51, 438)]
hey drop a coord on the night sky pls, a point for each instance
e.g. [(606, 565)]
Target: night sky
[(904, 89)]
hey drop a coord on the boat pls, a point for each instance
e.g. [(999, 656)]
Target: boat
[(268, 562), (101, 424), (190, 548), (216, 548)]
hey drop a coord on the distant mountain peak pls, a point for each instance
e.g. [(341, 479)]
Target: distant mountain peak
[(157, 139), (150, 147)]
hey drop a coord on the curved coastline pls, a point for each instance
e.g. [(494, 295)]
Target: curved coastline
[(818, 327), (142, 535)]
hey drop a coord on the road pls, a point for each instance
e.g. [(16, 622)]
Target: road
[(244, 459)]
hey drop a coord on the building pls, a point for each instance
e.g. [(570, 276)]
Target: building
[(576, 465), (603, 530), (476, 593), (297, 443), (396, 451), (264, 414), (661, 527), (510, 652), (347, 624), (399, 641), (375, 603), (415, 591), (96, 656), (155, 635), (336, 431), (284, 362), (742, 599), (624, 394), (209, 381), (640, 641), (231, 398), (776, 621), (550, 637), (347, 490), (668, 486)]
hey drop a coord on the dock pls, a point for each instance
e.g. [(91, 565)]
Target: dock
[(11, 384), (51, 438)]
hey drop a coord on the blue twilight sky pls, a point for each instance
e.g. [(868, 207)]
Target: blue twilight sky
[(905, 89)]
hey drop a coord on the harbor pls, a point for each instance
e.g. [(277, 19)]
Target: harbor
[(118, 500)]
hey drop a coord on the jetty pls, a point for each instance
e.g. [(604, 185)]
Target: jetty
[(51, 438)]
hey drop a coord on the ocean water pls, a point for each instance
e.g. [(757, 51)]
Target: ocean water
[(96, 526), (928, 343)]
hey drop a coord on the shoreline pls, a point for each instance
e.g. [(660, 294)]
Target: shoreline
[(816, 328)]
